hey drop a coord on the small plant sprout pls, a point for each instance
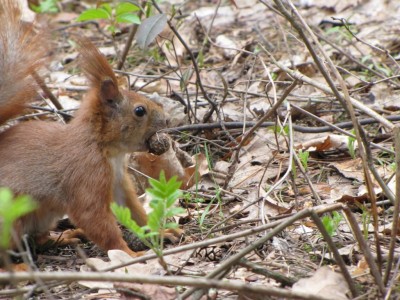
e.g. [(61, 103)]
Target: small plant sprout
[(351, 146), (114, 14), (304, 158), (331, 223), (163, 195), (45, 6), (12, 208), (365, 218)]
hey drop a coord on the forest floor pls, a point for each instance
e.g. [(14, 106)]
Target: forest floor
[(277, 209)]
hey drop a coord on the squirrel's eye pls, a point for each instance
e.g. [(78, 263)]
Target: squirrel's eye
[(140, 111)]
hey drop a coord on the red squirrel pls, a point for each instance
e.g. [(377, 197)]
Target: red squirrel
[(77, 168)]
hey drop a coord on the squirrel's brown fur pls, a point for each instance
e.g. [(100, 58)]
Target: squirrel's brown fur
[(78, 168)]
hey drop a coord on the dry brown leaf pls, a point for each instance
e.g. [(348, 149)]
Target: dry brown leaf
[(330, 142), (350, 168), (174, 162), (340, 187), (324, 283), (152, 267), (274, 209), (362, 268)]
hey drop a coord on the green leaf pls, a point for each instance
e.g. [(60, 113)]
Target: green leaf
[(171, 225), (94, 14), (157, 186), (205, 213), (152, 234), (6, 197), (10, 210), (328, 224), (163, 196), (187, 74), (125, 7), (22, 205), (107, 8), (171, 199), (123, 215), (153, 222), (174, 211), (128, 18), (46, 6)]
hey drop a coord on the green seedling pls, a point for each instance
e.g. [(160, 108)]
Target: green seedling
[(163, 195), (12, 208), (280, 130), (339, 33), (351, 145), (331, 223), (366, 220), (304, 158), (114, 14), (45, 7)]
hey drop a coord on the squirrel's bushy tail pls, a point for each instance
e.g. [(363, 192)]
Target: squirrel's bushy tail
[(22, 52)]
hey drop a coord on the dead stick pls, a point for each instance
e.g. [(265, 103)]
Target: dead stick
[(365, 249), (338, 258), (249, 133), (229, 262), (132, 33), (393, 236), (167, 280)]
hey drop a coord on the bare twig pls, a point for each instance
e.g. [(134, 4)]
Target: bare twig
[(344, 98), (50, 95), (232, 260), (195, 65), (339, 129), (249, 133), (365, 249), (396, 211), (259, 269), (170, 280), (383, 51), (336, 255), (329, 127), (326, 89), (353, 59), (308, 179), (132, 32)]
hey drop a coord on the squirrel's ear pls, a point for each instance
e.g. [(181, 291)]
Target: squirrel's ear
[(109, 91)]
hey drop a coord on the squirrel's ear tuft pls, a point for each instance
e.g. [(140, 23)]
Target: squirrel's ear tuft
[(95, 65), (109, 92)]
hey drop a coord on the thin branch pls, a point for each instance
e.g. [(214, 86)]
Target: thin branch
[(344, 98), (301, 77), (132, 33), (396, 211), (168, 280), (194, 62), (338, 258), (257, 125), (365, 249)]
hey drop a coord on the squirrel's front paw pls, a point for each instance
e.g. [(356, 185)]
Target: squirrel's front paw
[(65, 238), (173, 235)]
